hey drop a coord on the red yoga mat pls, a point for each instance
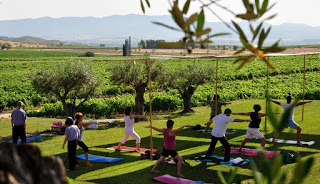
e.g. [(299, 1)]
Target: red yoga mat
[(132, 149), (253, 152)]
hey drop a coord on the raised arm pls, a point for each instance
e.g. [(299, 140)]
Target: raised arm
[(276, 102), (117, 115), (154, 128), (179, 129), (301, 103)]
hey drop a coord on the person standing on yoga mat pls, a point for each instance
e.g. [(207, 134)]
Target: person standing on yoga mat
[(253, 129), (129, 127), (72, 135), (78, 121), (18, 124), (169, 145), (218, 133), (291, 123)]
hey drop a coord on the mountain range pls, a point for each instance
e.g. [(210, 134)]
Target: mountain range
[(112, 30)]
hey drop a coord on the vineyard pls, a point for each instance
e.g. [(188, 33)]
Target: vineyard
[(17, 67)]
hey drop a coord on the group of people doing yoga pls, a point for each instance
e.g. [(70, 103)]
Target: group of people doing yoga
[(75, 129)]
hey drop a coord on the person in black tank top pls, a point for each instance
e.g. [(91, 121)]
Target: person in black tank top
[(253, 128)]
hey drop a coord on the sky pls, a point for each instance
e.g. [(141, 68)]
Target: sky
[(293, 11)]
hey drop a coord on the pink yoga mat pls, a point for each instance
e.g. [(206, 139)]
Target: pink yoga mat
[(173, 180), (125, 148), (253, 152)]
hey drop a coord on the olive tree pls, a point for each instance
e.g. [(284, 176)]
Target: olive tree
[(65, 78), (186, 80), (136, 74)]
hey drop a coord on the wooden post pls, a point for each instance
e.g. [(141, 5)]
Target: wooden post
[(216, 97), (70, 90), (304, 82), (150, 108), (266, 117)]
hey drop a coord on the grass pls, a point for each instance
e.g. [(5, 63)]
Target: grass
[(189, 145)]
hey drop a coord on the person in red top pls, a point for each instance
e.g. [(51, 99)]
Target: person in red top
[(169, 145)]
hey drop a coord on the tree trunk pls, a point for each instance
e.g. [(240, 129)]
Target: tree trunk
[(187, 95), (139, 99), (69, 109)]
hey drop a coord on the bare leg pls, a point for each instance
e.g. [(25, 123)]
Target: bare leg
[(180, 159), (243, 143), (119, 145), (298, 134), (263, 142), (157, 163), (87, 159), (275, 135), (138, 147), (66, 158)]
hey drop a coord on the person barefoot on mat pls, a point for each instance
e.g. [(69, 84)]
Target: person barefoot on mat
[(78, 121), (169, 145), (219, 131), (129, 129), (291, 123), (253, 129)]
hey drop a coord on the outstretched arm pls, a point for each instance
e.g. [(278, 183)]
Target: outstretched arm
[(225, 103), (154, 128), (117, 115), (85, 124), (179, 129), (276, 102), (241, 120), (208, 124), (242, 113), (138, 116), (301, 103)]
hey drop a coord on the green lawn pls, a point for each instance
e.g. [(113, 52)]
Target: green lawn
[(189, 145)]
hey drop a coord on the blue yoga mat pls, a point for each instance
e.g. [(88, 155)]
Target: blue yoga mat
[(96, 158), (31, 138)]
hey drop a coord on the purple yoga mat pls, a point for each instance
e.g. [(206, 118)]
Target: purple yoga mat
[(173, 180)]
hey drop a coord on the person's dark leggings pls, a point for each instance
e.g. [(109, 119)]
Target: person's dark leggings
[(19, 131), (83, 146), (72, 149), (224, 143)]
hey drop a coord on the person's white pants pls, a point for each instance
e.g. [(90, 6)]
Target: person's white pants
[(132, 134)]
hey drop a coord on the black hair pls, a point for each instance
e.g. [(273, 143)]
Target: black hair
[(69, 121), (227, 111), (170, 123), (289, 98), (128, 111), (257, 108)]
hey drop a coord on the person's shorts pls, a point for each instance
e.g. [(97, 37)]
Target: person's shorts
[(166, 153), (292, 124), (254, 132)]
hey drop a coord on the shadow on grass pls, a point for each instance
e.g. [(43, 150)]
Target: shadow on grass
[(200, 172), (175, 115), (48, 135)]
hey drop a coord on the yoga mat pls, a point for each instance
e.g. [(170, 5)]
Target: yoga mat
[(175, 180), (219, 160), (31, 138), (102, 159), (309, 143), (132, 149), (253, 152)]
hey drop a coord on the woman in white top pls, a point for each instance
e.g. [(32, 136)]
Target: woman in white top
[(129, 129)]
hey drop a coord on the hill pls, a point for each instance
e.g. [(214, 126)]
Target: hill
[(112, 30)]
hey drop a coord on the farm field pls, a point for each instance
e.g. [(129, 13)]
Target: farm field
[(189, 144), (247, 83)]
